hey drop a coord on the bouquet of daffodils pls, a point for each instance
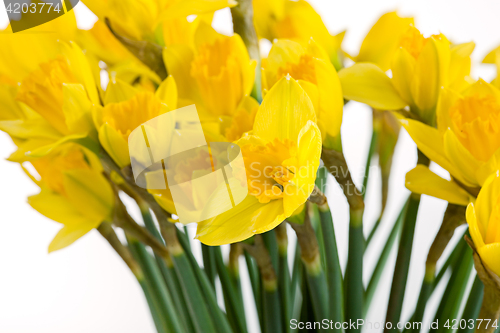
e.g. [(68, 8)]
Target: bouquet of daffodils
[(104, 114)]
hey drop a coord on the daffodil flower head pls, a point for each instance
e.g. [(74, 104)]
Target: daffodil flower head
[(281, 157), (297, 21), (483, 218), (216, 75), (125, 109), (73, 192), (420, 67), (312, 69), (466, 142)]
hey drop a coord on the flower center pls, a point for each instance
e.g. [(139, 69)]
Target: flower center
[(217, 72), (303, 70), (128, 115), (42, 91), (413, 42), (270, 168), (477, 119)]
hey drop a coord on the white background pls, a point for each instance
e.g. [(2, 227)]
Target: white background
[(86, 287)]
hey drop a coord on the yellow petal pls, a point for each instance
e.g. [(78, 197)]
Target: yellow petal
[(486, 201), (43, 150), (403, 65), (447, 98), (118, 91), (430, 142), (178, 60), (82, 70), (383, 39), (308, 156), (488, 168), (429, 76), (252, 217), (475, 229), (69, 234), (423, 181), (489, 255), (77, 109), (285, 110), (115, 145), (31, 128), (56, 207), (461, 158), (283, 51), (331, 100), (167, 92), (90, 193), (367, 83), (460, 65)]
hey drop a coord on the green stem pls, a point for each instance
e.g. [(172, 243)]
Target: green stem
[(452, 297), (354, 291), (371, 150), (219, 318), (384, 256), (334, 272), (402, 263), (471, 311), (230, 293), (209, 263), (284, 281), (160, 295), (253, 273), (168, 272)]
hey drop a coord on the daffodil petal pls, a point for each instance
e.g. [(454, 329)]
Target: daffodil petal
[(285, 110), (461, 158), (403, 65), (331, 100), (430, 142), (118, 91), (475, 229), (241, 222), (46, 149), (488, 168), (486, 201), (56, 207), (489, 255), (423, 181), (90, 193), (429, 76), (178, 60), (69, 234), (77, 109), (367, 83), (383, 39), (447, 98), (115, 145), (167, 92)]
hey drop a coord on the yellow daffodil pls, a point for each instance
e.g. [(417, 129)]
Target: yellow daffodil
[(317, 76), (126, 108), (140, 19), (383, 40), (216, 75), (281, 159), (56, 99), (483, 218), (466, 143), (420, 67), (298, 21), (73, 193)]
